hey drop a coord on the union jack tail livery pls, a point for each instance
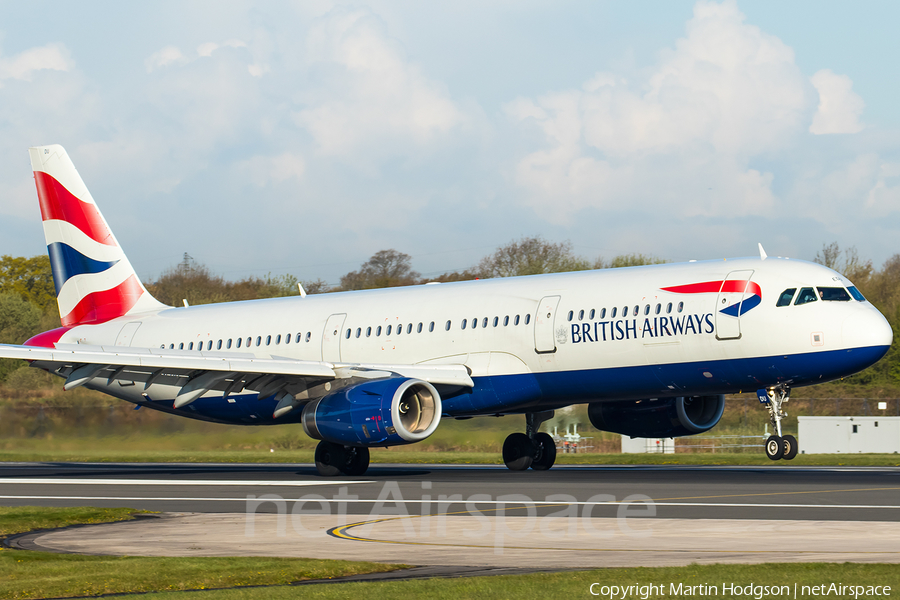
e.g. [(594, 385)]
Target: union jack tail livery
[(94, 280)]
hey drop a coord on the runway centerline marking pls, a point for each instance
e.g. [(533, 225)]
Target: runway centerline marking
[(882, 489), (206, 482)]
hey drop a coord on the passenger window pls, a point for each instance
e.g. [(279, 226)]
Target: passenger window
[(447, 327), (431, 327), (646, 310), (358, 331), (228, 344), (409, 327), (484, 322), (248, 342), (171, 346), (308, 334), (603, 313), (527, 319), (219, 345), (833, 294), (299, 337), (658, 308), (669, 308), (857, 295), (474, 323), (806, 295), (191, 346), (388, 330), (581, 315), (612, 315), (591, 316), (786, 296), (570, 315), (506, 321), (268, 340), (181, 346), (637, 309), (209, 345), (287, 338), (347, 335), (399, 329), (516, 321), (496, 321), (239, 340), (378, 331), (680, 306), (368, 331), (463, 324), (278, 339), (258, 340), (419, 328)]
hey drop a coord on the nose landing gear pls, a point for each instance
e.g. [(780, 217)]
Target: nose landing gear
[(530, 449), (778, 446)]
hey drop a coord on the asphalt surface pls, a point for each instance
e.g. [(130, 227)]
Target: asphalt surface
[(677, 492)]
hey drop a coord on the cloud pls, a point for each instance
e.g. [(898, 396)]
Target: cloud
[(370, 99), (264, 170), (725, 93), (839, 106), (170, 55), (22, 66)]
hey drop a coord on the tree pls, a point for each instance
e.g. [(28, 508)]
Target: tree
[(30, 278), (531, 256), (386, 268), (846, 262), (628, 260), (19, 320)]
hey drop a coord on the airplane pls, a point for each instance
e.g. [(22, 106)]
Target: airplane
[(652, 350)]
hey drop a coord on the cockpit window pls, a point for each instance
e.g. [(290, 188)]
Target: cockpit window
[(786, 296), (805, 295), (834, 294), (857, 295)]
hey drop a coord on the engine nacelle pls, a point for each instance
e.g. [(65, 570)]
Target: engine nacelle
[(382, 412), (658, 417)]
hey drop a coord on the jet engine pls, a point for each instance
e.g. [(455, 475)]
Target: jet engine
[(658, 417), (382, 412)]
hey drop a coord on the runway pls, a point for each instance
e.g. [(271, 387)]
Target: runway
[(477, 515)]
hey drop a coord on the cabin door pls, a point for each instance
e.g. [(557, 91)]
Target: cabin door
[(126, 336), (544, 336), (331, 338), (729, 304)]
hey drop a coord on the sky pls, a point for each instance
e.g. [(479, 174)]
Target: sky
[(303, 137)]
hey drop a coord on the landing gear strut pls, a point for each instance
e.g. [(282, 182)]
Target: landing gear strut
[(333, 459), (530, 449), (777, 445)]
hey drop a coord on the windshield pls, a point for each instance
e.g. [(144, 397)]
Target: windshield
[(834, 294)]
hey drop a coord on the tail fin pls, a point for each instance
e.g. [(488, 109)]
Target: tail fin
[(94, 280)]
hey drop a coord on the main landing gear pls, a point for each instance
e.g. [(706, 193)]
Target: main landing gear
[(778, 446), (334, 459), (530, 449)]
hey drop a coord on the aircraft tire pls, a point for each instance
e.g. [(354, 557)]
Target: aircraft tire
[(775, 447), (546, 452), (790, 447), (357, 461), (330, 458), (518, 452)]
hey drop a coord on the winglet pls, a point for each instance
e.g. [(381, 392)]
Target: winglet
[(762, 253)]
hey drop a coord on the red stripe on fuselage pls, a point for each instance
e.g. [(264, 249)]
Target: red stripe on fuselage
[(105, 305), (59, 203), (732, 285)]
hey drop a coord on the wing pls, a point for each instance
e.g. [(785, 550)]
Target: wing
[(193, 374)]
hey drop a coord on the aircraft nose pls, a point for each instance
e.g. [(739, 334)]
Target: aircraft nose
[(867, 329)]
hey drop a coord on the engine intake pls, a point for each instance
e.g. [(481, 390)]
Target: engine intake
[(383, 412), (658, 417)]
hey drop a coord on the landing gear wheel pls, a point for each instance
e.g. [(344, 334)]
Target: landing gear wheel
[(357, 461), (775, 447), (518, 452), (545, 454), (790, 447), (330, 458)]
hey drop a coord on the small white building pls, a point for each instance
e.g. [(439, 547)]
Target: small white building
[(640, 445), (849, 435)]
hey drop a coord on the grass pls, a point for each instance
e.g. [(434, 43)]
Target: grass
[(577, 584), (48, 575), (116, 453)]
